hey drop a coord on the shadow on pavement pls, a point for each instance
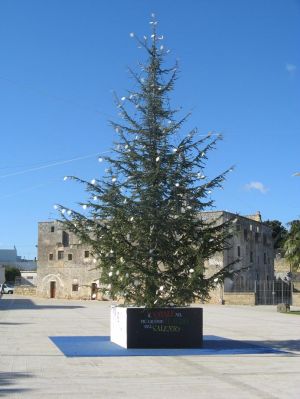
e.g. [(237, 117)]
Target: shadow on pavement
[(7, 382), (14, 304), (101, 346)]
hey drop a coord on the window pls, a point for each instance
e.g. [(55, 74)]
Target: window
[(60, 255), (52, 229), (250, 227), (264, 239), (51, 257), (29, 277), (245, 234), (239, 251), (70, 256), (256, 237), (265, 258), (86, 254), (74, 287), (65, 239), (251, 256)]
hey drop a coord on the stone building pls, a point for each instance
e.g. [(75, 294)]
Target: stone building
[(66, 268), (252, 245)]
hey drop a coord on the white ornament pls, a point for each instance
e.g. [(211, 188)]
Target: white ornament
[(94, 261), (136, 282), (55, 206), (95, 198), (152, 36), (93, 181), (157, 159), (63, 211), (114, 179), (175, 149), (109, 286), (131, 219), (84, 206), (216, 279), (126, 146), (111, 251), (191, 271), (131, 34), (126, 275), (110, 274), (123, 98), (161, 288), (177, 184), (122, 259), (209, 191), (161, 47), (100, 159), (160, 37), (117, 272), (65, 178), (145, 37), (69, 212)]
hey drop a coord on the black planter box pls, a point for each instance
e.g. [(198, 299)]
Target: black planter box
[(180, 327)]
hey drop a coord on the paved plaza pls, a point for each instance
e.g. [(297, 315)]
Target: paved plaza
[(33, 366)]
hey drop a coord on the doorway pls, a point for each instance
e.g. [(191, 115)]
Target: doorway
[(94, 290), (52, 289)]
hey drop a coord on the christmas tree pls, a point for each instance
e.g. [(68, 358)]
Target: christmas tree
[(144, 223)]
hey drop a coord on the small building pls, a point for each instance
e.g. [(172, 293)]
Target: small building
[(10, 257), (66, 267), (28, 277)]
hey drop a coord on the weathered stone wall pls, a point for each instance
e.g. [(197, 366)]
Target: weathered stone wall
[(239, 298), (25, 290), (296, 299)]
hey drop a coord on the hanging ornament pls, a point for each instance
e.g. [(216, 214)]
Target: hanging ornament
[(109, 286), (111, 251), (84, 206), (110, 274), (136, 282), (161, 47), (95, 198), (200, 176), (94, 260), (114, 179), (55, 206), (160, 37), (191, 271), (131, 219), (175, 149), (177, 184), (100, 159), (161, 288), (117, 272), (126, 275), (66, 178), (216, 279), (93, 181), (157, 159), (126, 146), (123, 98), (131, 34), (63, 211), (69, 212)]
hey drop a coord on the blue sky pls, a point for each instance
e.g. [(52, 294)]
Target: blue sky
[(61, 60)]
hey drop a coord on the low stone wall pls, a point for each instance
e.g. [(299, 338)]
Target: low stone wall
[(25, 290), (239, 298), (296, 299)]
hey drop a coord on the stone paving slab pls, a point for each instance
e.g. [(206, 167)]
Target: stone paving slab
[(32, 366)]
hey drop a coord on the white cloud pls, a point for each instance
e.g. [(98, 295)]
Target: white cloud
[(256, 185), (290, 68)]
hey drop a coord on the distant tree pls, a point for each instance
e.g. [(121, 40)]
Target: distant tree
[(11, 273), (292, 245), (279, 233)]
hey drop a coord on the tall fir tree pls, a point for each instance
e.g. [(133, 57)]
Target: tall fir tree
[(143, 219)]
